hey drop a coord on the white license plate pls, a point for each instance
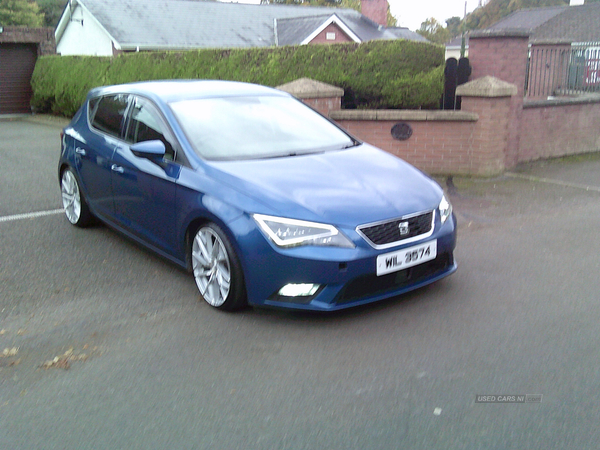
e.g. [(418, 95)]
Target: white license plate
[(405, 258)]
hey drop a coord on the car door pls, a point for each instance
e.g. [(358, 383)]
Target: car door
[(144, 188), (94, 152)]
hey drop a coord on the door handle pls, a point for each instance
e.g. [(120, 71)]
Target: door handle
[(117, 169), (80, 151)]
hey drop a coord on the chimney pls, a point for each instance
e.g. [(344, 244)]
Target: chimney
[(376, 10)]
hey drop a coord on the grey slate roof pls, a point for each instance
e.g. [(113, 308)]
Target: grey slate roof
[(405, 33), (576, 24), (528, 19), (456, 42), (294, 30), (556, 23), (182, 24)]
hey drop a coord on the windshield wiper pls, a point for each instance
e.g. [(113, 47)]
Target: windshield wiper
[(354, 144)]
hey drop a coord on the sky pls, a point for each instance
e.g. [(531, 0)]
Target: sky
[(411, 13)]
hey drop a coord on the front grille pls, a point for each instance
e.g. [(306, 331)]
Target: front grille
[(372, 285), (388, 233)]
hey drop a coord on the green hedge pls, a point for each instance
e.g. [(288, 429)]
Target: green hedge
[(380, 74)]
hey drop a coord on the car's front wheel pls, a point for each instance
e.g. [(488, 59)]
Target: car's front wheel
[(74, 203), (216, 269)]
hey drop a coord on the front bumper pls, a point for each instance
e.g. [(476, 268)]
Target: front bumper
[(347, 277)]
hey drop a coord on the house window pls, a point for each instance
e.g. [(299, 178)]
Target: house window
[(330, 36)]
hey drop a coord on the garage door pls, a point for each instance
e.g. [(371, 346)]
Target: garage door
[(16, 66)]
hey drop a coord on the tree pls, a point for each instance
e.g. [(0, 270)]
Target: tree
[(20, 13), (350, 4), (434, 31), (52, 10), (454, 26), (391, 20)]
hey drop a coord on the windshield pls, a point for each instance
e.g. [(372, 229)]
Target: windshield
[(232, 128)]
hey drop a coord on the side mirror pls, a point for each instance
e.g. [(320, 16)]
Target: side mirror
[(149, 149)]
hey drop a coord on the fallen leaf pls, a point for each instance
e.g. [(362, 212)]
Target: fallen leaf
[(59, 363), (64, 361), (9, 352)]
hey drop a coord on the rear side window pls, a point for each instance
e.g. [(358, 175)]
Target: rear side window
[(110, 113)]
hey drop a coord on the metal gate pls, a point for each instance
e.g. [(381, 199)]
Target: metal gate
[(563, 70), (16, 67)]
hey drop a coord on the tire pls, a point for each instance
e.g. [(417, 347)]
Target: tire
[(216, 269), (74, 203)]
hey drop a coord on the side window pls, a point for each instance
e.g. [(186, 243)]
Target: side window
[(146, 124), (92, 108), (110, 113)]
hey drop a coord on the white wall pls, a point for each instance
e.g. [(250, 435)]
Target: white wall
[(454, 52), (84, 39)]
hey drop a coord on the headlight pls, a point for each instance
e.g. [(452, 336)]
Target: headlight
[(445, 209), (292, 233)]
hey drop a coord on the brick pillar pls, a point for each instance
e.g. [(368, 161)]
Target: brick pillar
[(490, 98), (503, 55), (320, 96), (376, 10)]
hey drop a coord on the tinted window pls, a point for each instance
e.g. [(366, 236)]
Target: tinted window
[(110, 113), (256, 127), (146, 124), (92, 108)]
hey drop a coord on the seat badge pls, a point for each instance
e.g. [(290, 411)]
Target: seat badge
[(403, 227)]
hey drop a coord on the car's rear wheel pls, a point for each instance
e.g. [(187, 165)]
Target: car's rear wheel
[(74, 203), (216, 269)]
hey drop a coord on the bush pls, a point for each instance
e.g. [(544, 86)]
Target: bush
[(380, 74)]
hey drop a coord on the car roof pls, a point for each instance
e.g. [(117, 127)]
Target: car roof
[(175, 90)]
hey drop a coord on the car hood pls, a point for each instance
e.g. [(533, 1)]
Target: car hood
[(347, 187)]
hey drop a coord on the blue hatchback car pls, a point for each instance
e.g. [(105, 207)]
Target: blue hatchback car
[(264, 200)]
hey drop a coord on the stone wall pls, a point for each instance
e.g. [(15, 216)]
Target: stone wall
[(540, 128), (496, 129), (468, 142), (560, 127), (43, 37)]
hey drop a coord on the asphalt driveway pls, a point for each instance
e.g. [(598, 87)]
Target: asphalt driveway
[(105, 346)]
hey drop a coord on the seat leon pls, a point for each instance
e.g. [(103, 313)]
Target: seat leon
[(265, 201)]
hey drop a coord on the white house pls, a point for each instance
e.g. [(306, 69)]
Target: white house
[(108, 27)]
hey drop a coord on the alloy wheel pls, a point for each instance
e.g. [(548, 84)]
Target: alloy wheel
[(211, 266), (71, 197)]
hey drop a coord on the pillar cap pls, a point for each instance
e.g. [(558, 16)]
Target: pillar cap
[(486, 87), (308, 88)]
